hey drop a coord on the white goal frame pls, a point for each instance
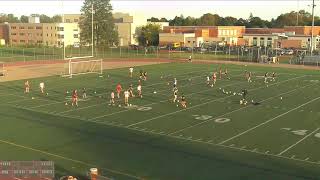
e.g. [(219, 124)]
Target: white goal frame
[(72, 61)]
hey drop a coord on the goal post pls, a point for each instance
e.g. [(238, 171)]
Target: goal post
[(83, 66)]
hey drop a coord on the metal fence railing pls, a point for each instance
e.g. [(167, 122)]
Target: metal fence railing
[(229, 53)]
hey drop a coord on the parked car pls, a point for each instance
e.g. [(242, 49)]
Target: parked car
[(288, 52)]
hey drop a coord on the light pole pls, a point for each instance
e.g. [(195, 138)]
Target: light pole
[(311, 49)]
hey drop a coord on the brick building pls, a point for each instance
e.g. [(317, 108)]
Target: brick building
[(4, 34)]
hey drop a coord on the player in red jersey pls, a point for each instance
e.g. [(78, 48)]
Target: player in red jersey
[(119, 89), (214, 79), (74, 98)]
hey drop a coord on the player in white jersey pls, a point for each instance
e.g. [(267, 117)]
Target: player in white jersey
[(42, 87), (131, 72), (208, 80), (126, 97), (139, 89), (112, 98)]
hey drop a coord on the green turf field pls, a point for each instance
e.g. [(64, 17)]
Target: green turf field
[(214, 138)]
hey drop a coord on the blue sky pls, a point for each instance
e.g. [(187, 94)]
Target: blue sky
[(144, 9)]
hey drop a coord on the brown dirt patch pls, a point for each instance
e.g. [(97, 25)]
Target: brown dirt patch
[(36, 69)]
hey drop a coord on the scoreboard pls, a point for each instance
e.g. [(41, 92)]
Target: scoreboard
[(26, 170)]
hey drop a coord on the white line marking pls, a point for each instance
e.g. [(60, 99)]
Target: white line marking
[(293, 145), (270, 120), (57, 102), (106, 115), (66, 158), (201, 104), (233, 111), (176, 137)]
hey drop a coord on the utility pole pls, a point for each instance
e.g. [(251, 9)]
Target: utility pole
[(312, 43)]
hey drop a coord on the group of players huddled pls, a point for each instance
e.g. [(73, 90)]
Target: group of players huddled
[(130, 93)]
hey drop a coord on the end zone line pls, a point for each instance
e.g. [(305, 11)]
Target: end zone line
[(201, 104), (270, 120), (213, 118), (293, 145), (66, 158)]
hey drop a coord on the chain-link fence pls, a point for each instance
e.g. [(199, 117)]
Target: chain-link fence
[(229, 53)]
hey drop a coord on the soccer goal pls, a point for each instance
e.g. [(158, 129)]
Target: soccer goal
[(83, 66)]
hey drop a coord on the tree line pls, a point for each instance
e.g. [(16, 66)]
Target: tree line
[(11, 18), (293, 18)]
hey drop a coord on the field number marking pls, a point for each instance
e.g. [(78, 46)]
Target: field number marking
[(207, 117), (139, 108), (301, 132)]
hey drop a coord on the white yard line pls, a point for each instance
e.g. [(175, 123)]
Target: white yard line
[(201, 104), (212, 119), (175, 137), (270, 120), (66, 158), (293, 145)]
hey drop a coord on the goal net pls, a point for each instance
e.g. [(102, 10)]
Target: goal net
[(83, 66)]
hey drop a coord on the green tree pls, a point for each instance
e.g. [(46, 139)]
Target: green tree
[(210, 19), (148, 35), (56, 19), (24, 19), (105, 32)]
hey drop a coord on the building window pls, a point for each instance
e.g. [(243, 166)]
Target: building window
[(76, 20), (269, 42), (60, 36), (68, 20), (13, 27), (21, 34), (51, 27), (29, 34), (30, 27), (22, 41), (14, 40), (219, 32), (254, 42), (60, 28), (234, 32), (39, 42), (75, 36), (262, 41), (47, 35), (75, 29), (188, 41), (13, 34), (38, 27), (21, 27), (30, 41)]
